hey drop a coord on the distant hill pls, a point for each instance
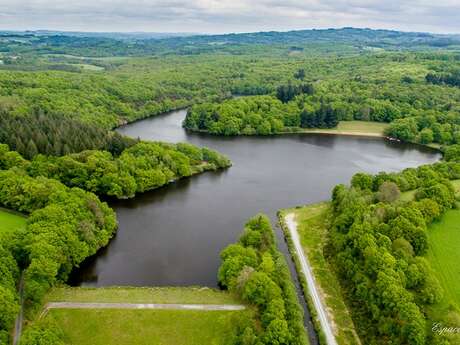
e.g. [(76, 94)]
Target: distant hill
[(112, 35), (369, 36), (127, 44)]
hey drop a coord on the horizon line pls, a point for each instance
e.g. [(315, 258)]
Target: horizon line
[(190, 33)]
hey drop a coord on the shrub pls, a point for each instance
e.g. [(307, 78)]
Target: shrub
[(388, 192)]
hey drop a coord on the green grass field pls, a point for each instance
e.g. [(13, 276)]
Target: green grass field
[(444, 253), (354, 128), (147, 327), (10, 221), (312, 227), (189, 295), (444, 256)]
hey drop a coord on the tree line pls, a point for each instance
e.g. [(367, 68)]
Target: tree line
[(256, 271), (259, 115), (378, 244), (139, 168), (442, 129), (64, 226), (286, 93)]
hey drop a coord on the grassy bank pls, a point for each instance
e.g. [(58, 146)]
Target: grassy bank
[(10, 221), (312, 223), (187, 295)]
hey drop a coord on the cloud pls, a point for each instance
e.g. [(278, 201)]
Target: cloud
[(217, 16)]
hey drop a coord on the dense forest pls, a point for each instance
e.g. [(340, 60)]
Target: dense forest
[(140, 168), (255, 269), (261, 115), (413, 92), (65, 225), (378, 246), (417, 110), (55, 135)]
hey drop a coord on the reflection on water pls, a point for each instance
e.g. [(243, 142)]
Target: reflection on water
[(173, 236)]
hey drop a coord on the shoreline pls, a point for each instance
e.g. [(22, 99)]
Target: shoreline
[(364, 134), (340, 133), (432, 146)]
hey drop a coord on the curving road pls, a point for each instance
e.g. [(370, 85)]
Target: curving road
[(312, 288)]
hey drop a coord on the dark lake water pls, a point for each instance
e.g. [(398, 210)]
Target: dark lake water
[(173, 236)]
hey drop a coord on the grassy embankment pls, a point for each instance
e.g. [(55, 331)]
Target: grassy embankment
[(131, 326), (192, 295), (10, 221), (312, 223)]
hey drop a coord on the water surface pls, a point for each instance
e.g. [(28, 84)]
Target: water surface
[(173, 236)]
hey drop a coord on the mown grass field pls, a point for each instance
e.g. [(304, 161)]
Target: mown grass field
[(444, 256), (312, 223), (147, 327), (189, 295), (354, 128), (10, 221), (444, 253)]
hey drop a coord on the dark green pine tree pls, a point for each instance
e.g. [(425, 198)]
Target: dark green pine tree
[(330, 119), (31, 149)]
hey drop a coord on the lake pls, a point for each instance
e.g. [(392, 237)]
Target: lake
[(173, 235)]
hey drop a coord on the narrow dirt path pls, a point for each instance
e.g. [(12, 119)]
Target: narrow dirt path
[(313, 289)]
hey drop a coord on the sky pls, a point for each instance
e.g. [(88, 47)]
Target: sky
[(222, 16)]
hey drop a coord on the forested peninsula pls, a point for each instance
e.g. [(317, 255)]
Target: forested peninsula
[(415, 111)]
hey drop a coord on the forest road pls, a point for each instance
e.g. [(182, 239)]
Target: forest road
[(312, 288)]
